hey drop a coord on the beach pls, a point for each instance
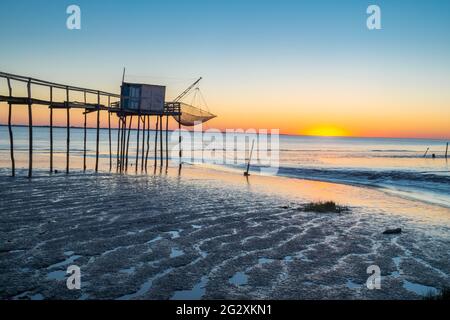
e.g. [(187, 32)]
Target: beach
[(209, 234), (237, 153)]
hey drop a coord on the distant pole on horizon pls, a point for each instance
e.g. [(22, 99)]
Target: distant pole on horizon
[(426, 152), (446, 151)]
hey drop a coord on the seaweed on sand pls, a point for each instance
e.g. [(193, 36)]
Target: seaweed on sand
[(324, 207)]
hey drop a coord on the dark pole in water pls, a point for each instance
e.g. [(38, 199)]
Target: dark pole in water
[(148, 142), (137, 141), (51, 130), (180, 152), (118, 144), (84, 133), (161, 140), (167, 141), (98, 132), (122, 139), (119, 137), (11, 138), (249, 159), (128, 141), (109, 133), (156, 141), (30, 131), (68, 130), (143, 143), (426, 152), (124, 131), (446, 151)]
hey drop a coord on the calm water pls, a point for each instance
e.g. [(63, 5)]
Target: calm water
[(396, 165)]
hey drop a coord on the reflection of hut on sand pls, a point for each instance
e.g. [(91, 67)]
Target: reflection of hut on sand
[(141, 101)]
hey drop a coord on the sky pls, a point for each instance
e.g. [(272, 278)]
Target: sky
[(304, 67)]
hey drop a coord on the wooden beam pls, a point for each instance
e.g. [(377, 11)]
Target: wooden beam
[(122, 143), (156, 141), (109, 134), (148, 142), (97, 146), (68, 131), (128, 142), (137, 142), (143, 143), (11, 138), (118, 143), (180, 151), (30, 131), (167, 141), (51, 131), (161, 140), (124, 132), (54, 84), (84, 134)]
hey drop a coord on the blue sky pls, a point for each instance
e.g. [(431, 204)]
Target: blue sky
[(241, 48)]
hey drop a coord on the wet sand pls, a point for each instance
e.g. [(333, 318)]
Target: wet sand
[(207, 234)]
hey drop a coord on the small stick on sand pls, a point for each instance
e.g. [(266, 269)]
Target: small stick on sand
[(249, 159)]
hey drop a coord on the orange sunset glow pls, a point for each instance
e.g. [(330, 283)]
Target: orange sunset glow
[(326, 131), (292, 122)]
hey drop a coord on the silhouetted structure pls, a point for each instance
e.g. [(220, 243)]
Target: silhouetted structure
[(141, 101)]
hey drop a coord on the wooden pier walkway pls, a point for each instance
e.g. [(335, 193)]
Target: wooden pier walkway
[(125, 120)]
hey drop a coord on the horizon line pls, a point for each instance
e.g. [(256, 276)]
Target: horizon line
[(222, 131)]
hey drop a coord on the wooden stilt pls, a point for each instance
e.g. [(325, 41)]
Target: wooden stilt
[(122, 143), (137, 142), (68, 130), (84, 134), (156, 141), (51, 130), (128, 142), (30, 131), (109, 134), (123, 140), (11, 138), (167, 141), (97, 146), (143, 143), (118, 143), (148, 142), (161, 140), (180, 151)]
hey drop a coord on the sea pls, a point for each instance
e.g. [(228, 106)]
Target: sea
[(411, 168)]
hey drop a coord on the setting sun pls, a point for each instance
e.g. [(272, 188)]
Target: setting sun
[(326, 131)]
